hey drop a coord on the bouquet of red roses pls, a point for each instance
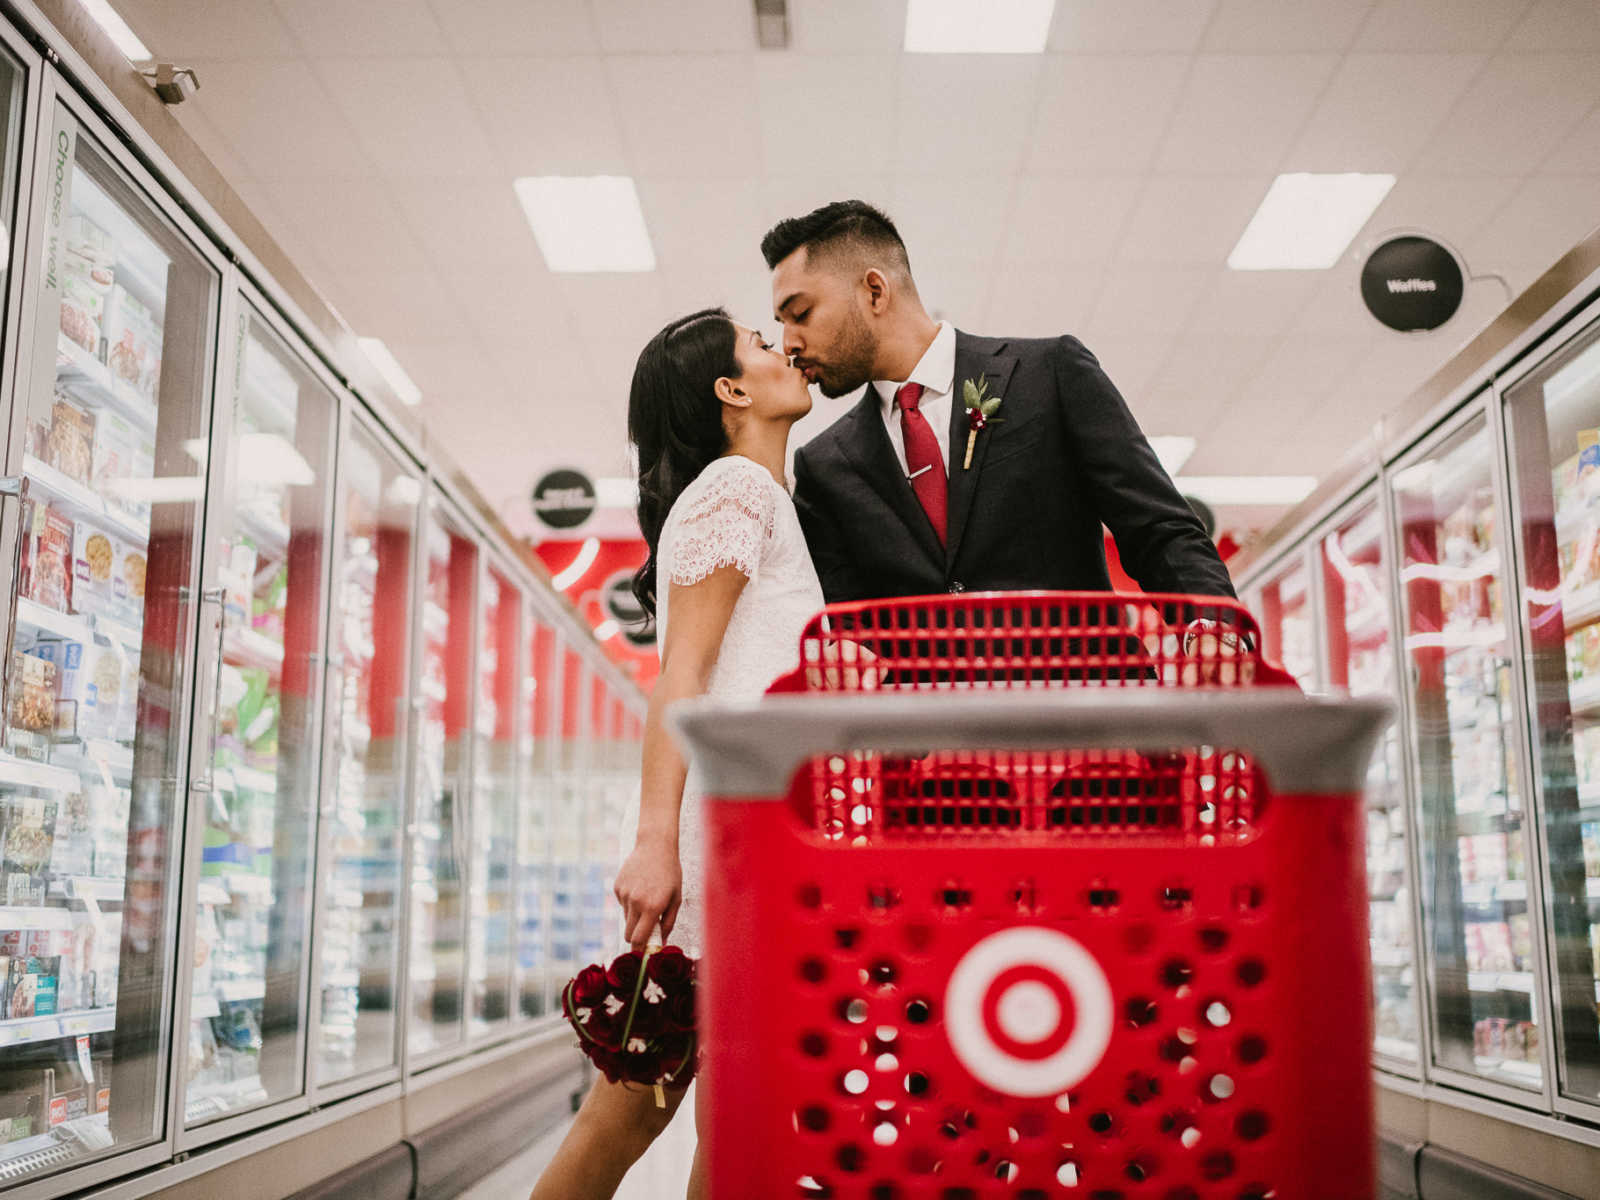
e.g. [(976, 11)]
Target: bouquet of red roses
[(635, 1018)]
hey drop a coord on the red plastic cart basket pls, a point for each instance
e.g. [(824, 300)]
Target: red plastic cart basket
[(1044, 895)]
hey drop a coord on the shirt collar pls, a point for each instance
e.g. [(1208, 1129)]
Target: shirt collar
[(935, 371)]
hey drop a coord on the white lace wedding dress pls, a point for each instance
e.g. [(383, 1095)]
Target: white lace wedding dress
[(734, 514)]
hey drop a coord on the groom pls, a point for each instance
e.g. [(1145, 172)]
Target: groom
[(910, 492)]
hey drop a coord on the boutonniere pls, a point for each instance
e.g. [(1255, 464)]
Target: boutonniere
[(981, 408)]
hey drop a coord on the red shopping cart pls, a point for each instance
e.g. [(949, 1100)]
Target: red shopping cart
[(1072, 904)]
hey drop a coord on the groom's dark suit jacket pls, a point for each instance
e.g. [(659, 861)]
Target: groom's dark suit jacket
[(1064, 456)]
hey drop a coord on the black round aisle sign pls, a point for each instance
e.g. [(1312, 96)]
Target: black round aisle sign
[(564, 499), (623, 607), (1412, 284)]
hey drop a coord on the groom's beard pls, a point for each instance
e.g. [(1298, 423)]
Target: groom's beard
[(851, 360)]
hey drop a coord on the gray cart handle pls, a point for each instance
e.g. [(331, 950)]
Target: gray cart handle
[(1306, 745)]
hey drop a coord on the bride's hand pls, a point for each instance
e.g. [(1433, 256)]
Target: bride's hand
[(846, 667), (649, 887)]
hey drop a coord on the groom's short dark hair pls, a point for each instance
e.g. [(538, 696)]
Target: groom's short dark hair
[(842, 225)]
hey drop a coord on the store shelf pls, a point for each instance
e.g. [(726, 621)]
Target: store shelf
[(96, 756), (102, 889), (1506, 891), (1500, 981), (18, 772), (254, 887), (1584, 696), (44, 1029), (243, 647), (86, 377), (1581, 607), (213, 892), (1393, 1047), (84, 502), (22, 916), (235, 990), (204, 1007)]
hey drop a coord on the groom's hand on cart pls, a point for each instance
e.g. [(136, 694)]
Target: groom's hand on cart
[(1215, 655), (649, 887), (844, 667)]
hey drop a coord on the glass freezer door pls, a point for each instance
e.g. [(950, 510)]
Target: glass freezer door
[(1485, 996), (364, 806), (112, 439), (438, 918), (567, 822), (494, 803), (1361, 662), (252, 917), (533, 826), (1554, 416), (1287, 635)]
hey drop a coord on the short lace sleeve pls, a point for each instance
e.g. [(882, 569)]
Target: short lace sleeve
[(726, 524)]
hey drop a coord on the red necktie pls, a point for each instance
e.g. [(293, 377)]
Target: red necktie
[(924, 463)]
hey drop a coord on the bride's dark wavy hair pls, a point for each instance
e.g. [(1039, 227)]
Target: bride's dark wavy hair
[(675, 420)]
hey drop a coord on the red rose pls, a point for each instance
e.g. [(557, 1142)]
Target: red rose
[(589, 987), (649, 1019), (680, 1010), (607, 1062), (624, 973), (678, 1057), (671, 968)]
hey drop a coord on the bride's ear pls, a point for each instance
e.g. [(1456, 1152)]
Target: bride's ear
[(730, 393)]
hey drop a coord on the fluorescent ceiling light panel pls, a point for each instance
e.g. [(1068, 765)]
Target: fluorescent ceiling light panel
[(978, 26), (1173, 450), (1247, 489), (1307, 221), (110, 20), (585, 224), (391, 370)]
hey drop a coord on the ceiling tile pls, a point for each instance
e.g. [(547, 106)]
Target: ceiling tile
[(457, 369), (361, 28), (1380, 109), (1431, 26), (620, 312), (278, 119), (1258, 304), (1191, 219), (1069, 218), (1242, 112), (1518, 110), (413, 115), (1557, 25), (964, 114), (1260, 26), (475, 223), (688, 116), (547, 116), (831, 114), (205, 29), (1547, 217), (860, 27), (1145, 302), (1446, 206), (954, 288), (404, 304), (526, 27), (698, 222), (1041, 302), (350, 225), (1335, 310), (1580, 151), (651, 27), (1129, 26), (786, 196), (955, 216), (1104, 113), (1201, 377), (1130, 364)]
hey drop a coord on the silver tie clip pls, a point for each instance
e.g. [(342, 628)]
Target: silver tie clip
[(918, 471)]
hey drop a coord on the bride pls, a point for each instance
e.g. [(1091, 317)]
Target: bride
[(732, 586)]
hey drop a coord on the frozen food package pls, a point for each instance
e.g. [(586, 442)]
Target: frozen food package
[(47, 557), (33, 694), (21, 988), (1588, 453), (73, 852), (70, 447), (30, 824), (133, 345), (122, 453), (105, 582), (67, 656), (87, 274)]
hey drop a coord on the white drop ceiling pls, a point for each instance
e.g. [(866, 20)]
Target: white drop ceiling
[(1095, 189)]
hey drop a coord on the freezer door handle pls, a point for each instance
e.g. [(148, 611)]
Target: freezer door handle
[(212, 596)]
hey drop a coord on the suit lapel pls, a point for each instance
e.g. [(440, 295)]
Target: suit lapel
[(868, 448), (971, 363)]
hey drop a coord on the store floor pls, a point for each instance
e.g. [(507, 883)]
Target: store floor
[(662, 1174)]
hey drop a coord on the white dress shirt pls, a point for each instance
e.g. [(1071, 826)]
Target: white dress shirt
[(936, 372)]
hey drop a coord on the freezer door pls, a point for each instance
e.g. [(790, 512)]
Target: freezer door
[(1361, 661), (491, 905), (110, 435), (567, 822), (364, 801), (268, 541), (1486, 1014), (1554, 421), (536, 786), (1287, 634), (439, 844)]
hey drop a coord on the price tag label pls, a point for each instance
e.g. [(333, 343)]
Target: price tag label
[(84, 1062)]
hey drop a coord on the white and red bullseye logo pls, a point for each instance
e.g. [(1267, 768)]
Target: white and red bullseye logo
[(1028, 1011)]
